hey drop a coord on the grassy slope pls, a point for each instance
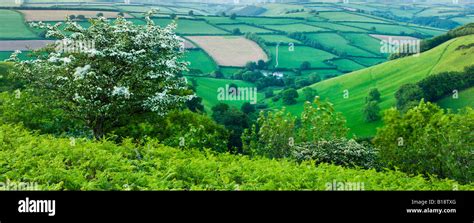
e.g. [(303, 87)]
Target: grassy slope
[(465, 98), (387, 77)]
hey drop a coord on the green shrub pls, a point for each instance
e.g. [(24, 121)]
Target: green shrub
[(183, 129), (341, 151), (429, 140), (21, 106), (58, 164), (277, 132)]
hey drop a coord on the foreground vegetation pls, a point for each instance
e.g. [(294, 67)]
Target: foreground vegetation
[(66, 164)]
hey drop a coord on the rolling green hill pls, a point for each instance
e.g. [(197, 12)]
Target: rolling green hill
[(388, 77)]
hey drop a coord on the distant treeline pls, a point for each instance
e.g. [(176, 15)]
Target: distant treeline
[(465, 30)]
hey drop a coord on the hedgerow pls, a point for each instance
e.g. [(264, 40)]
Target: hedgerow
[(80, 164)]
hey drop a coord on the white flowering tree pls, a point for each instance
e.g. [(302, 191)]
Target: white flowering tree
[(109, 70)]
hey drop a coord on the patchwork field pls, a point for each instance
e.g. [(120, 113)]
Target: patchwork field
[(199, 62), (337, 42), (387, 77), (13, 27), (191, 27), (464, 20), (364, 41), (336, 27), (347, 65), (293, 59), (245, 28), (230, 50), (346, 16), (384, 28), (368, 61), (60, 15), (393, 38), (299, 27), (208, 90), (278, 39)]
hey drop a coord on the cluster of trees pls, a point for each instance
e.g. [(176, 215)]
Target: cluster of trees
[(434, 87), (78, 17), (428, 140), (465, 30), (289, 94), (372, 109), (294, 11), (253, 73), (318, 135)]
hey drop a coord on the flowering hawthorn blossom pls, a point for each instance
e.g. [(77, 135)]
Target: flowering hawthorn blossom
[(132, 68)]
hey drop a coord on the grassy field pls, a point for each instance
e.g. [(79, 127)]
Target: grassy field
[(293, 59), (383, 28), (57, 15), (364, 41), (208, 89), (337, 42), (464, 20), (439, 11), (336, 27), (347, 65), (12, 26), (199, 60), (278, 39), (429, 31), (279, 9), (191, 27), (346, 16), (368, 61), (229, 71), (387, 77), (245, 28), (6, 54), (465, 98), (299, 27)]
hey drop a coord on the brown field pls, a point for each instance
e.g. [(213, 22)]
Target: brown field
[(230, 50), (58, 15), (12, 45)]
